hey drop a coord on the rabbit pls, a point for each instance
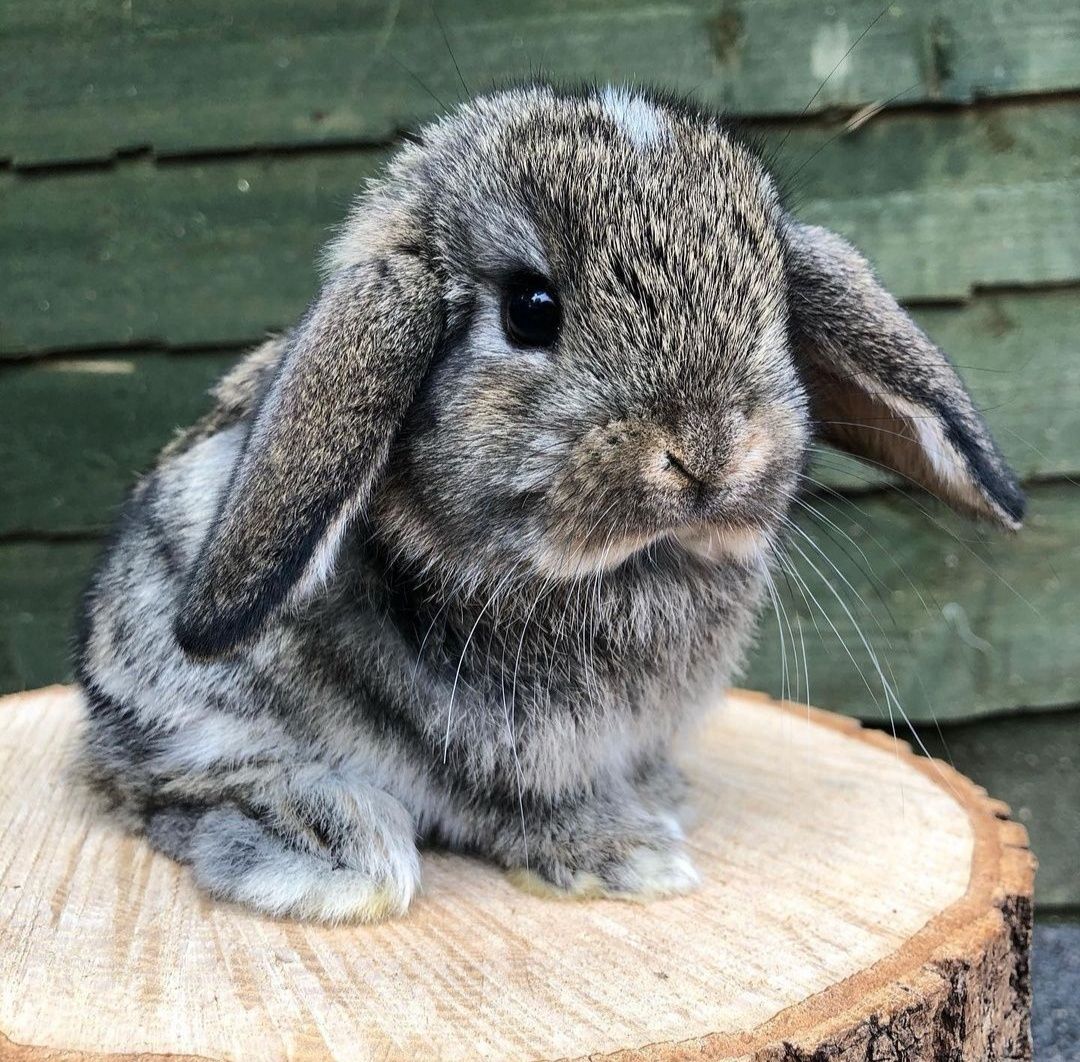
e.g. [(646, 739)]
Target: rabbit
[(460, 557)]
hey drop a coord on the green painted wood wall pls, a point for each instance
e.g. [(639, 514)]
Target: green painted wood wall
[(170, 170)]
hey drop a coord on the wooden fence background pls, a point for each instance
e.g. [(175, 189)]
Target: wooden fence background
[(170, 170)]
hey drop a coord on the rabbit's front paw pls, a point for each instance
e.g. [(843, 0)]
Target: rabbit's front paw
[(318, 850), (648, 864), (649, 873)]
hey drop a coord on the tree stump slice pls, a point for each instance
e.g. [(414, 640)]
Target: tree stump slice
[(858, 903)]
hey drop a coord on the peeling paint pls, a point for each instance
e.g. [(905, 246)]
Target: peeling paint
[(828, 53)]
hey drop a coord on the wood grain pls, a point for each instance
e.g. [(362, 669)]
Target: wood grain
[(219, 251), (856, 900), (85, 80)]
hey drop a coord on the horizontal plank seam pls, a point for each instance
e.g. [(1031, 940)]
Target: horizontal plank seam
[(76, 536), (1019, 713), (1068, 913), (19, 358), (824, 119), (149, 346)]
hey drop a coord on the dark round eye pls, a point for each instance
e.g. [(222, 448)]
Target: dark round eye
[(531, 313)]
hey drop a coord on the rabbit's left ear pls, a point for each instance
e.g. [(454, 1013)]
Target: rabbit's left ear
[(317, 441), (880, 389)]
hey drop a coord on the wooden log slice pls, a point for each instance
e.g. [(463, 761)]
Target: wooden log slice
[(858, 903)]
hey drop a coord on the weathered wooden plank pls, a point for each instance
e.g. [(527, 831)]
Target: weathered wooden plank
[(219, 252), (962, 621), (949, 202), (78, 428), (970, 625), (40, 586), (210, 253), (198, 77), (1032, 762)]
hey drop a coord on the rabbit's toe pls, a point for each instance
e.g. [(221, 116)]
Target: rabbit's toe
[(633, 866), (239, 858), (649, 873)]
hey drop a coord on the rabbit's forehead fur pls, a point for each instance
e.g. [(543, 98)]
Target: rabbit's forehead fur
[(660, 233), (611, 194)]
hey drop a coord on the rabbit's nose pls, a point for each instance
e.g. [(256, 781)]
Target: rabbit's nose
[(716, 453), (683, 470)]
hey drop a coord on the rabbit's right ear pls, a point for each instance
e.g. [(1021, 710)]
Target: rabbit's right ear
[(317, 441), (880, 389)]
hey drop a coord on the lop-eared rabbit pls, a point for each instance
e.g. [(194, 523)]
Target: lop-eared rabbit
[(457, 558)]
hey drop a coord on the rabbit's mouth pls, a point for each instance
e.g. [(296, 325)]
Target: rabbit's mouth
[(711, 541)]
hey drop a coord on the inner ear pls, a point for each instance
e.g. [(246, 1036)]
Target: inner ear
[(880, 389), (900, 436)]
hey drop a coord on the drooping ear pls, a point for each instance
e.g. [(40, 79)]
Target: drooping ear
[(317, 441), (880, 389)]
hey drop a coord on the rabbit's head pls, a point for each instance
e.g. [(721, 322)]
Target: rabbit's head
[(563, 328)]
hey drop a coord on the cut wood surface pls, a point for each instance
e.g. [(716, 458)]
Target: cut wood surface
[(857, 903), (219, 251), (85, 80)]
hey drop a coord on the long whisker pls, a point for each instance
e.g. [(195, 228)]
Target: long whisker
[(446, 41), (771, 588), (419, 81), (822, 487), (936, 522), (865, 568), (461, 662), (844, 131), (881, 630), (926, 692), (510, 716), (1041, 453), (890, 693), (840, 62)]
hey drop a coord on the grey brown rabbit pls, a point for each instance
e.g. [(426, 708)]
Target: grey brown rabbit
[(459, 557)]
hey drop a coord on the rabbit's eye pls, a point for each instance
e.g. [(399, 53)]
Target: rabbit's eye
[(531, 313)]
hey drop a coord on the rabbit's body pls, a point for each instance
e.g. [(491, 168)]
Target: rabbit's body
[(460, 557), (498, 719)]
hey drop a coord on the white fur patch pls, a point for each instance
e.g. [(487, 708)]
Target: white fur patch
[(646, 874), (660, 874), (300, 888), (577, 562), (642, 123), (233, 858), (192, 485), (321, 565), (942, 456), (718, 544)]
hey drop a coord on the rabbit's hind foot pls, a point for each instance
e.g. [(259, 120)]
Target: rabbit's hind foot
[(317, 850)]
